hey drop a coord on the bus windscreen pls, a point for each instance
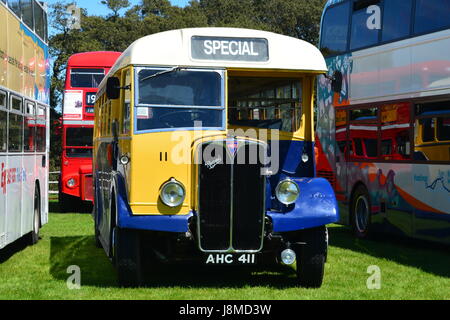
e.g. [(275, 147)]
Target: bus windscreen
[(180, 88)]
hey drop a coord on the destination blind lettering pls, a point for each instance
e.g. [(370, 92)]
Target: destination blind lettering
[(230, 49)]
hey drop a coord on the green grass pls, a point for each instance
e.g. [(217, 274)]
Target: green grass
[(410, 270)]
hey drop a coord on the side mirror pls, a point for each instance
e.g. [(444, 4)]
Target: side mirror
[(336, 84), (113, 88)]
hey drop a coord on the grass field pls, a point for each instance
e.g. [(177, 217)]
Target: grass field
[(409, 270)]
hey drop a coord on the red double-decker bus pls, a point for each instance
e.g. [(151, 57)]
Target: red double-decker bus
[(84, 73)]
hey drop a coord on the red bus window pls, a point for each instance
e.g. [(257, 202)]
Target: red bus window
[(79, 137), (386, 147), (86, 78)]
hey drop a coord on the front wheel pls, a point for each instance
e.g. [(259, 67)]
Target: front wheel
[(311, 257), (127, 257)]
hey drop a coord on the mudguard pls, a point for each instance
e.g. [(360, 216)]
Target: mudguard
[(125, 219), (316, 206)]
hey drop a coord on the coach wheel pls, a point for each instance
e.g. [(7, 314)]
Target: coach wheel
[(361, 217), (311, 257), (127, 257), (34, 236), (126, 253)]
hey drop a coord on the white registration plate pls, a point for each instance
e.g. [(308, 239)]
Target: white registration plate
[(231, 259)]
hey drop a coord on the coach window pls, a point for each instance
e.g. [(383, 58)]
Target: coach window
[(3, 122), (126, 103), (39, 20), (26, 8), (15, 126), (30, 127), (41, 130), (364, 31), (364, 132), (431, 15), (396, 19), (15, 6), (443, 129), (335, 29), (432, 132)]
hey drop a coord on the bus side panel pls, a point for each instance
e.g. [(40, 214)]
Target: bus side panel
[(13, 198), (3, 208), (29, 172)]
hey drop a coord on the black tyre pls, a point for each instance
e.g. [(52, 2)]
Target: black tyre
[(311, 257), (127, 257), (34, 235), (360, 212)]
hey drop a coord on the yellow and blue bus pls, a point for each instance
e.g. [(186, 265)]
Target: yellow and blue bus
[(24, 120), (204, 152), (384, 121)]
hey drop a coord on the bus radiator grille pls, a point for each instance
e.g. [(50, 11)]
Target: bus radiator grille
[(231, 200)]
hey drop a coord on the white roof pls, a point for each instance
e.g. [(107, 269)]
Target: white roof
[(173, 48)]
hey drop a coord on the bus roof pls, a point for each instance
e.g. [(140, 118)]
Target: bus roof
[(173, 48), (93, 59)]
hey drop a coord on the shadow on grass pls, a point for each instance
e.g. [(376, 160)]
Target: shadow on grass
[(429, 257), (10, 250), (97, 270), (84, 207)]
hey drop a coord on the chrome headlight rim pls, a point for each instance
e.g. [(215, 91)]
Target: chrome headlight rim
[(172, 181), (277, 191)]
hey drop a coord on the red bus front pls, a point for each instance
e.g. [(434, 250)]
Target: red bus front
[(84, 73)]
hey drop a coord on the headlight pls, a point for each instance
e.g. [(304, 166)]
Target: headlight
[(172, 193), (71, 183), (287, 192)]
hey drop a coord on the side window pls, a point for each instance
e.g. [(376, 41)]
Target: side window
[(3, 122), (30, 127), (126, 104), (396, 19), (2, 99), (335, 29), (428, 126), (26, 8), (443, 129), (3, 130), (364, 31), (396, 131), (15, 6), (16, 104), (432, 132), (41, 129), (15, 127), (431, 15), (39, 22)]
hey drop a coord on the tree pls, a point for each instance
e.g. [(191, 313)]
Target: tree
[(116, 5)]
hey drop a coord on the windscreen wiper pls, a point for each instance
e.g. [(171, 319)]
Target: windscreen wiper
[(174, 69)]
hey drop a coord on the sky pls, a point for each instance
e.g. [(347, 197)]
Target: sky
[(95, 7)]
